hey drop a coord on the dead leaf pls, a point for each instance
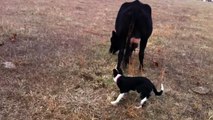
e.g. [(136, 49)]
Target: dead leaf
[(1, 43), (131, 112), (13, 38), (9, 65), (200, 90), (156, 63)]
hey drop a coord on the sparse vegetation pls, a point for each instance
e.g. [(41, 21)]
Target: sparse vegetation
[(63, 69)]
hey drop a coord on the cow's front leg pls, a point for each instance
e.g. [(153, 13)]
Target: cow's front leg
[(120, 58), (120, 96), (141, 57), (127, 54), (141, 52), (126, 57)]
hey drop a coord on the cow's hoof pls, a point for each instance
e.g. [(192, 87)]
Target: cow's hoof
[(141, 68)]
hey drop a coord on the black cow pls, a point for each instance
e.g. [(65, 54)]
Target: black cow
[(133, 20)]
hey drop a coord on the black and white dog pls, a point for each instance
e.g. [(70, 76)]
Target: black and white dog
[(140, 84)]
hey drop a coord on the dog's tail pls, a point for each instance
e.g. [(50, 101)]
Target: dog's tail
[(156, 92)]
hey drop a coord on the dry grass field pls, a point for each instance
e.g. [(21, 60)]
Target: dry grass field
[(64, 71)]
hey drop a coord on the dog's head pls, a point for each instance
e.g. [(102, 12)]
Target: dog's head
[(116, 74), (117, 71)]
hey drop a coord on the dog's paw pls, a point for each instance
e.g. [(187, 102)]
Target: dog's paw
[(138, 107), (114, 103)]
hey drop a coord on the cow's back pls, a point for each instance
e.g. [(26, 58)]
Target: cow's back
[(133, 13)]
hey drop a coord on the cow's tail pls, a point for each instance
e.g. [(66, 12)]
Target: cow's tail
[(131, 25), (130, 32), (156, 92), (131, 28)]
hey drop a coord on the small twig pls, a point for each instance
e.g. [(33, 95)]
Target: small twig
[(210, 117), (2, 58), (162, 74)]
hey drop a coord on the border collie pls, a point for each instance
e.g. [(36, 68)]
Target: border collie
[(140, 84)]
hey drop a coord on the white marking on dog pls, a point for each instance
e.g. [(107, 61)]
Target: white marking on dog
[(162, 88), (116, 78), (142, 102), (138, 107), (120, 96)]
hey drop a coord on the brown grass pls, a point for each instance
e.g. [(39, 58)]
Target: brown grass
[(64, 69)]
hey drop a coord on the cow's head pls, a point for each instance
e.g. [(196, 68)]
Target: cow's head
[(114, 43)]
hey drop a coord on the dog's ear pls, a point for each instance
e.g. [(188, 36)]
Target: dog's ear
[(119, 70), (113, 33), (115, 72)]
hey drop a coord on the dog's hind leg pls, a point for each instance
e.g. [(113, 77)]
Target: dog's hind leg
[(121, 95), (143, 100)]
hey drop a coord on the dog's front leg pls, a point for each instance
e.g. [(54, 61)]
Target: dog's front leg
[(120, 96)]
